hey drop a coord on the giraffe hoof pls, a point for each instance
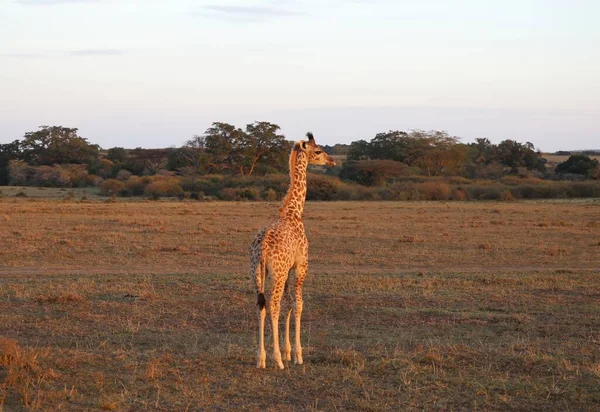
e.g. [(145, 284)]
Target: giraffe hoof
[(280, 365), (287, 356)]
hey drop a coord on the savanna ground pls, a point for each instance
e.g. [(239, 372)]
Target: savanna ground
[(408, 306)]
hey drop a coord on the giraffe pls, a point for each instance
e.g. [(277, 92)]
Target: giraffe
[(281, 251)]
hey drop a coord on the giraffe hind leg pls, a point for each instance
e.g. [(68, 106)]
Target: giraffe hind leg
[(287, 310), (274, 304)]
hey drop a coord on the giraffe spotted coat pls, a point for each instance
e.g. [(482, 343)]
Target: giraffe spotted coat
[(280, 251)]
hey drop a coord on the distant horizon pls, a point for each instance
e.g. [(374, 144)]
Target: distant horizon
[(293, 121)]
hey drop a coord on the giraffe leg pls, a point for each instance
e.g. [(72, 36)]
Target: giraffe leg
[(287, 309), (261, 354), (301, 271), (274, 309), (287, 354)]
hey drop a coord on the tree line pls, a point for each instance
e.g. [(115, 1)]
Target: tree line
[(59, 156)]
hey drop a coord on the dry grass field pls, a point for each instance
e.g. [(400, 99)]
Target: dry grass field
[(408, 306)]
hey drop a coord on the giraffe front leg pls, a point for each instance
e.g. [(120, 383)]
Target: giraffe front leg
[(298, 304), (297, 345), (287, 354)]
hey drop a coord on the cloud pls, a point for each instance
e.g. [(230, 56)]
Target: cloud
[(70, 53), (24, 55), (96, 52), (247, 12), (52, 2)]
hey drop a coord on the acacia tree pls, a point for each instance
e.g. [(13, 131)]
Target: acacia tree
[(514, 155), (226, 148), (435, 152), (262, 143), (8, 152), (57, 145), (223, 143), (581, 165), (193, 154)]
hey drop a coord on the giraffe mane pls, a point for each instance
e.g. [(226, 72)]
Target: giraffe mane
[(288, 196)]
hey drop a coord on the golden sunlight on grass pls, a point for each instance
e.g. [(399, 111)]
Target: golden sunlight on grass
[(408, 306)]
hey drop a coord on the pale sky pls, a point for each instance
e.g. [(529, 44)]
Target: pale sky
[(153, 73)]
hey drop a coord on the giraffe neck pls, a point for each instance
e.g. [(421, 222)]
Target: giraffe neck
[(293, 206)]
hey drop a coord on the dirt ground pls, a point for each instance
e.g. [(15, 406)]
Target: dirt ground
[(140, 305)]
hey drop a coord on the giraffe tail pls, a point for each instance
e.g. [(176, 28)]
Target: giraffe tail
[(260, 276)]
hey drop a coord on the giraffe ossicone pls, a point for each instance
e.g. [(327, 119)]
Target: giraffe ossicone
[(280, 251)]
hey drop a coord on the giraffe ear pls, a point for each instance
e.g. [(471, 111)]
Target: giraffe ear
[(303, 144)]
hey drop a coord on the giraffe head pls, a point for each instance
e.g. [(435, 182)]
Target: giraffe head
[(316, 155)]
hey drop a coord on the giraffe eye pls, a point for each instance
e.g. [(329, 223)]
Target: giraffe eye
[(318, 152)]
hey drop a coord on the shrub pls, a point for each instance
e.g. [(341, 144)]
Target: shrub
[(248, 193), (458, 180), (19, 172), (485, 192), (583, 189), (228, 193), (111, 187), (136, 185), (320, 187), (459, 194), (364, 193), (373, 172), (163, 188), (578, 164), (270, 195), (93, 180), (197, 195), (77, 174), (434, 191), (123, 175), (507, 196), (50, 176)]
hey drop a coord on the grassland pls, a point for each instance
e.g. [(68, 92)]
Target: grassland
[(409, 306)]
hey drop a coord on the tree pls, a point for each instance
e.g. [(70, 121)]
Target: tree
[(223, 142), (191, 154), (117, 155), (579, 165), (393, 145), (483, 151), (57, 145), (236, 151), (435, 152), (373, 172), (514, 155), (8, 152), (262, 143), (359, 150), (339, 149)]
